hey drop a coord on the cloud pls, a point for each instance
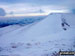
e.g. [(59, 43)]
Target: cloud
[(67, 3), (2, 12), (31, 1), (28, 6), (40, 2)]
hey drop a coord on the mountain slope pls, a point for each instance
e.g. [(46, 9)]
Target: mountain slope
[(40, 39)]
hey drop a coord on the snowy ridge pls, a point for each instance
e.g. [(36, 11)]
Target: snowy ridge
[(40, 39)]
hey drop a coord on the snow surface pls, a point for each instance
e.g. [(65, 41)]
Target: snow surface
[(9, 29), (40, 39)]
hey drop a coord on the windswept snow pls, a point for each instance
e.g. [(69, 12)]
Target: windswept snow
[(40, 39)]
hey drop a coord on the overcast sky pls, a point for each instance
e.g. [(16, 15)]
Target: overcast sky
[(29, 6)]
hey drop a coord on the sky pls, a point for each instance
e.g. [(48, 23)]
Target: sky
[(34, 6)]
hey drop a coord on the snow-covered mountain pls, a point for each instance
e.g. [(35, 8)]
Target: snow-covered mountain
[(40, 39)]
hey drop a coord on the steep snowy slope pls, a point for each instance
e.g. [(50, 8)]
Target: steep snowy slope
[(40, 39), (50, 25)]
